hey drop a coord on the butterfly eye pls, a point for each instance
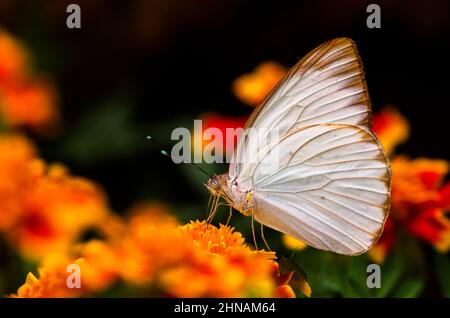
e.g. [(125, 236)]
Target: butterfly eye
[(234, 182)]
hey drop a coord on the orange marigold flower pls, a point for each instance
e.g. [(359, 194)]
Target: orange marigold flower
[(220, 265), (16, 154), (24, 101), (55, 209), (97, 264), (31, 104), (391, 128), (194, 260), (420, 202), (252, 88), (13, 58), (51, 280), (416, 181), (159, 257)]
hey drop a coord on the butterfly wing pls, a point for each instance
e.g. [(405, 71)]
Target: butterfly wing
[(331, 185), (331, 188), (326, 86)]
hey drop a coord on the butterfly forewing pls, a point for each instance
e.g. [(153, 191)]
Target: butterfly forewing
[(326, 86)]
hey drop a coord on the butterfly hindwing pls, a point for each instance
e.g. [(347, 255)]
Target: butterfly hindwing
[(330, 189)]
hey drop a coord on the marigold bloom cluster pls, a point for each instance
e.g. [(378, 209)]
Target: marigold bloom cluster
[(158, 257)]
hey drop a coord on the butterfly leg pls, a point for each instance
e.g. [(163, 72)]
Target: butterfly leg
[(211, 196), (214, 207), (253, 231), (264, 239), (229, 216)]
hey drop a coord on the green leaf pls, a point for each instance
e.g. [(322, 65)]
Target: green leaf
[(409, 289), (442, 264), (390, 276)]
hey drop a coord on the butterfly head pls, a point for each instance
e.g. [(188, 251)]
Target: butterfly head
[(227, 188), (214, 184), (218, 186)]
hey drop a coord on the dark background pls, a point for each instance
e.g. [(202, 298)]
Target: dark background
[(143, 67)]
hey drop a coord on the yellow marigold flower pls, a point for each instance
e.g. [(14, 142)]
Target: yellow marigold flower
[(391, 128), (293, 243), (252, 88)]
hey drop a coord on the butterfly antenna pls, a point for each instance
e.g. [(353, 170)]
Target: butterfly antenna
[(165, 153)]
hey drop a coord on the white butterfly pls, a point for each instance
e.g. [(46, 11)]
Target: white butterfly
[(331, 188)]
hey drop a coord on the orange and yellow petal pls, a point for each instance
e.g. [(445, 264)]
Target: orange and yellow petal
[(253, 87)]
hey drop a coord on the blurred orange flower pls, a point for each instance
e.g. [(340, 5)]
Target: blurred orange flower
[(55, 209), (52, 280), (13, 58), (419, 198), (391, 128), (252, 88), (25, 101), (16, 154), (31, 104), (43, 208), (97, 268)]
